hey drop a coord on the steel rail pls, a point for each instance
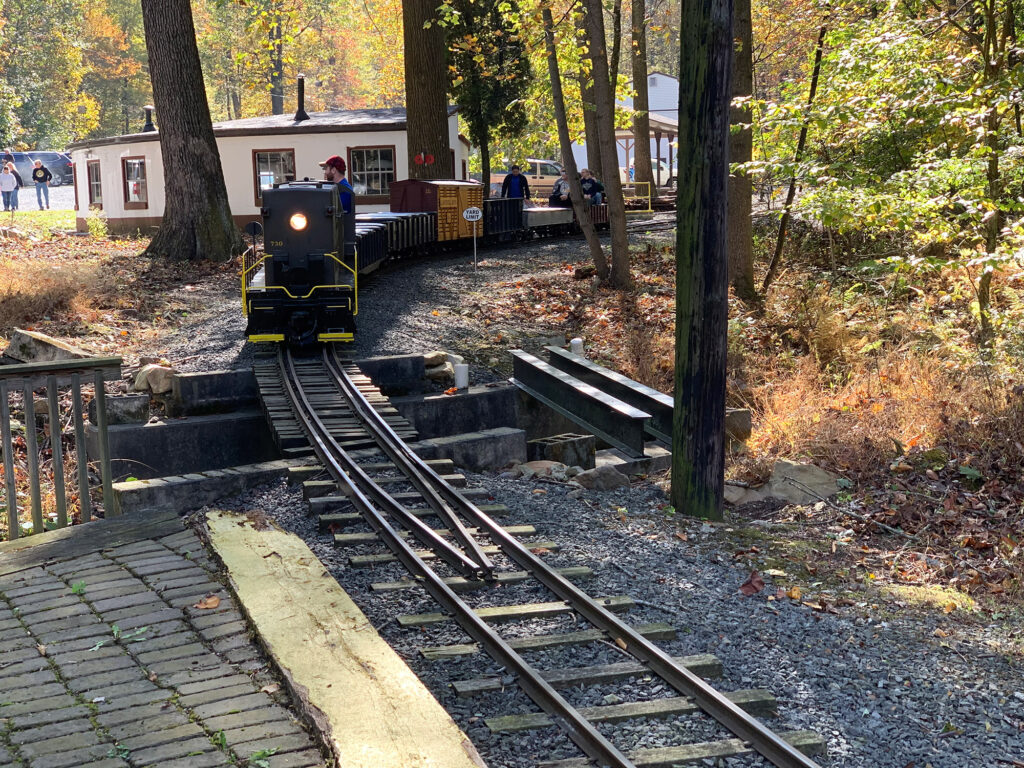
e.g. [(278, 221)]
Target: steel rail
[(579, 729), (422, 477), (351, 475), (743, 725)]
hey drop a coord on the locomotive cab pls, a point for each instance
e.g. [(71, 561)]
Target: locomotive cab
[(308, 290)]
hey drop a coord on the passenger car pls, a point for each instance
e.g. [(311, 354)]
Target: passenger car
[(540, 174)]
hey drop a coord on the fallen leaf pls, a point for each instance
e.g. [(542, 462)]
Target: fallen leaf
[(42, 649), (270, 688), (681, 536), (794, 593), (621, 643), (152, 677), (540, 550), (753, 585), (451, 390), (940, 633), (208, 603), (949, 607)]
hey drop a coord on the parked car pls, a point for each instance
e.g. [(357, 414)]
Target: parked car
[(58, 164), (23, 163), (540, 174)]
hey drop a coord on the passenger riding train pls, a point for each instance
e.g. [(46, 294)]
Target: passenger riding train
[(304, 287)]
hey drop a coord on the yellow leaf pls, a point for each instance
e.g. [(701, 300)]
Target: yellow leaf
[(940, 633), (794, 593), (435, 313), (949, 607)]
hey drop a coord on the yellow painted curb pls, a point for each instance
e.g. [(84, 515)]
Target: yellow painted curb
[(371, 708)]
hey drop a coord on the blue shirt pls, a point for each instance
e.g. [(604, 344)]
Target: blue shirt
[(515, 185), (346, 196)]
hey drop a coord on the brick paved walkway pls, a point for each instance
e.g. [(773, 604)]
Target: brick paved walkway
[(105, 661)]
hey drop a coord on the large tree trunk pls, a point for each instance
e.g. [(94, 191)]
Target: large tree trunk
[(590, 127), (616, 58), (604, 101), (641, 119), (276, 70), (568, 159), (741, 145), (426, 92), (197, 221), (702, 281)]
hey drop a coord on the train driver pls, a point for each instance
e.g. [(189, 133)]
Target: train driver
[(334, 171)]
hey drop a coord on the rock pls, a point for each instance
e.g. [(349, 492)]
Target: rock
[(154, 378), (34, 347), (790, 482), (603, 478), (41, 408), (123, 409), (542, 468), (151, 360), (738, 424), (435, 358), (441, 373), (454, 359)]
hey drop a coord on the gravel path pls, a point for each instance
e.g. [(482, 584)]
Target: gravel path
[(887, 687)]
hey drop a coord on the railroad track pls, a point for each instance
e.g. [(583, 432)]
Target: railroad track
[(325, 406)]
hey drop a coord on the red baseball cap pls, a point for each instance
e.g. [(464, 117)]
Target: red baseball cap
[(335, 161)]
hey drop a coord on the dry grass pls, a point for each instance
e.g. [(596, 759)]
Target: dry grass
[(31, 291)]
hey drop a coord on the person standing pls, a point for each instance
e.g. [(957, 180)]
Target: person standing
[(334, 171), (8, 157), (21, 183), (7, 185), (593, 190), (515, 184), (41, 176)]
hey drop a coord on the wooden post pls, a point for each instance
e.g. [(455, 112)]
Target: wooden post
[(7, 446)]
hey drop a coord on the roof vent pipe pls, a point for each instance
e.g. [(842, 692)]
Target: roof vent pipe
[(149, 120), (300, 114)]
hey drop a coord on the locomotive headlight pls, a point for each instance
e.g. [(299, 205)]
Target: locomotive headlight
[(298, 221)]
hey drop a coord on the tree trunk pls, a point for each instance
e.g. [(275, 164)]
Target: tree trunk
[(613, 64), (568, 159), (590, 127), (641, 119), (277, 70), (702, 279), (604, 101), (741, 147), (780, 241), (426, 92), (485, 163), (197, 221)]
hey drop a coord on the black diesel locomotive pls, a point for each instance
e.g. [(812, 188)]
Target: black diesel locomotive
[(304, 289)]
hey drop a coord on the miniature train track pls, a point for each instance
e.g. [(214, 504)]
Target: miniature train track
[(327, 403)]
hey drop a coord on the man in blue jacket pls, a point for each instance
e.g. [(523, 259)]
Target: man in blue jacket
[(515, 185), (334, 171)]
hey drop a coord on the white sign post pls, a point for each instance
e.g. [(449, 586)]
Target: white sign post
[(473, 214)]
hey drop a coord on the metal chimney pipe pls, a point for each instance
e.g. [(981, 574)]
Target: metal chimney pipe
[(149, 119), (300, 114)]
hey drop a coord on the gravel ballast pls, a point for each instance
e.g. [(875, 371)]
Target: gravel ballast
[(886, 687)]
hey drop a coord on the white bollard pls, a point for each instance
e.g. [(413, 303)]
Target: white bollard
[(576, 346), (461, 375)]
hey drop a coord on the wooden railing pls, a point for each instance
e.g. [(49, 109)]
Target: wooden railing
[(22, 388)]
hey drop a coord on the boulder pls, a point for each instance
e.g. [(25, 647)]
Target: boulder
[(35, 347), (441, 373), (602, 478), (789, 482), (154, 378), (435, 358)]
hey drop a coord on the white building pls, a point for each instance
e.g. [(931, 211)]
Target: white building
[(663, 109), (124, 177)]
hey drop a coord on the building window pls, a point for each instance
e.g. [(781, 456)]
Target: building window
[(95, 188), (270, 167), (371, 169), (134, 177), (653, 82)]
